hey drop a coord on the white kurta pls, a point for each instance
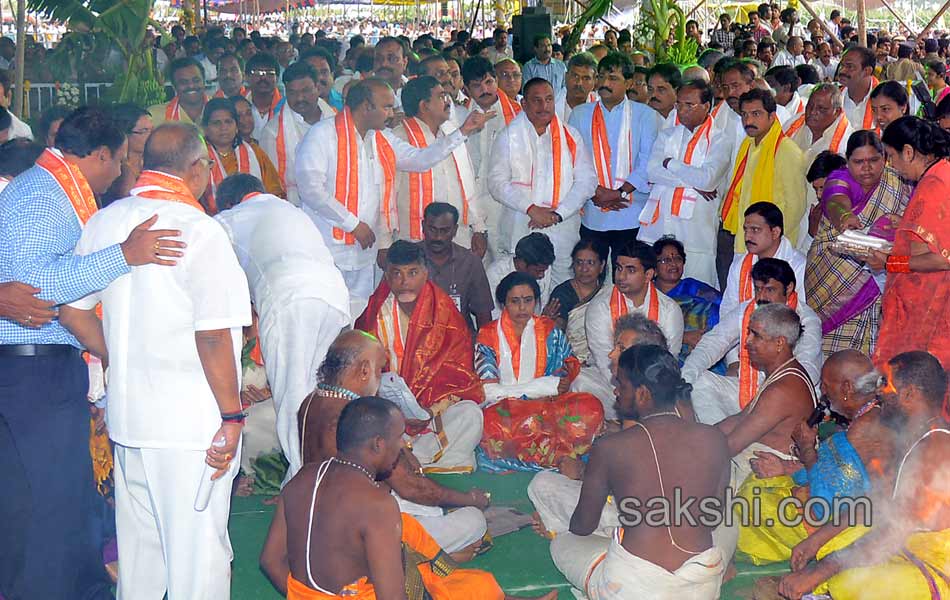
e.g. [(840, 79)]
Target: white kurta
[(856, 111), (505, 265), (316, 164), (300, 298), (161, 411), (508, 188), (698, 231), (295, 128), (786, 251)]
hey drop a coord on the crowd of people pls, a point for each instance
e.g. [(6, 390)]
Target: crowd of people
[(638, 281)]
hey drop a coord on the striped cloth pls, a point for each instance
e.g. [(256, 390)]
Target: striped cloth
[(832, 280)]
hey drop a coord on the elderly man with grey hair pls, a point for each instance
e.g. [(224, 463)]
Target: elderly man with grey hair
[(174, 413)]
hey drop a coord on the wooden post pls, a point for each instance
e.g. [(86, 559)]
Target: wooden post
[(933, 21), (821, 21), (862, 24), (20, 47), (898, 17)]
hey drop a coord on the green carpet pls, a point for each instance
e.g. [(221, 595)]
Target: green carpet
[(520, 561)]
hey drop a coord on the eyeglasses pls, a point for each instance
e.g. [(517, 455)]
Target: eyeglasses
[(145, 131), (686, 106), (263, 73), (672, 260), (511, 75), (206, 162), (585, 262)]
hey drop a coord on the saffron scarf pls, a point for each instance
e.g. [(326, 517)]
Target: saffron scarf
[(681, 200), (246, 163), (868, 121), (837, 137), (242, 92), (173, 110), (762, 179), (420, 184), (545, 163), (509, 108), (347, 182), (509, 348), (72, 181), (749, 375), (156, 185), (612, 170), (620, 304), (288, 136), (275, 101)]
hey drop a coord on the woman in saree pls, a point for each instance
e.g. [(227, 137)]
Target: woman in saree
[(136, 123), (526, 366), (231, 154), (863, 196), (699, 301), (589, 263), (916, 303)]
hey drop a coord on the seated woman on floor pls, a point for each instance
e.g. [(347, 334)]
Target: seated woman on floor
[(526, 365), (699, 301)]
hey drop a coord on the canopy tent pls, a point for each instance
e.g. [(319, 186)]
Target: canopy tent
[(272, 6)]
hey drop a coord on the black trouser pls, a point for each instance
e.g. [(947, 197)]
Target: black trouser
[(615, 239), (43, 401), (725, 252)]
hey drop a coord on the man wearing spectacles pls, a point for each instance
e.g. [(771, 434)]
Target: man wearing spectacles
[(509, 78), (684, 169), (262, 70)]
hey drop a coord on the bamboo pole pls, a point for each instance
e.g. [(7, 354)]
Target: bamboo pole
[(933, 21), (20, 47), (900, 19), (821, 21), (862, 17)]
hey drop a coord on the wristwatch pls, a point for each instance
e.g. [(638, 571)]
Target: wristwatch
[(624, 195)]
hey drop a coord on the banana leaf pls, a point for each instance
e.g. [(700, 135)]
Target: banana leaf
[(595, 10)]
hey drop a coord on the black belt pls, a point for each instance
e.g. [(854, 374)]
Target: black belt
[(36, 349)]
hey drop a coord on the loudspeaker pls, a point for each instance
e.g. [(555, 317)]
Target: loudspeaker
[(532, 21)]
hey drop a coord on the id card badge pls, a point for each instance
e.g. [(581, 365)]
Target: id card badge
[(457, 300)]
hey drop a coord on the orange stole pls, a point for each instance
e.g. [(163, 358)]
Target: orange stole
[(173, 110), (748, 375), (556, 151), (74, 184), (156, 185), (795, 126), (868, 120), (348, 171), (488, 335), (603, 159), (509, 108), (746, 288), (358, 590), (420, 184), (838, 135), (618, 305), (439, 355), (242, 92), (275, 100)]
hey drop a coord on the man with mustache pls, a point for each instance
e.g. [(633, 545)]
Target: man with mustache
[(389, 64), (430, 348), (499, 48), (481, 86), (685, 167), (452, 267), (325, 64), (903, 553), (541, 173), (662, 82), (452, 180), (230, 77), (262, 73), (509, 78), (621, 134), (544, 65), (445, 70), (768, 165), (356, 147), (286, 130), (188, 78), (764, 227), (718, 396), (580, 83), (856, 74)]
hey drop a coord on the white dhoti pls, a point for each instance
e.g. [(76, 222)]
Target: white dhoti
[(604, 570), (593, 381), (453, 448), (555, 497), (165, 545), (361, 284), (295, 336), (453, 530), (715, 397), (260, 433)]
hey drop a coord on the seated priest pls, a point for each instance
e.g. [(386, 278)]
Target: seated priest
[(526, 365), (430, 348)]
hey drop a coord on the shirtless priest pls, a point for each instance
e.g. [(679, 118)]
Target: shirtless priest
[(430, 347), (643, 561)]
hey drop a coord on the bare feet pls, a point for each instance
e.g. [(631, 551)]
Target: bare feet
[(538, 526), (467, 553), (272, 500), (245, 486)]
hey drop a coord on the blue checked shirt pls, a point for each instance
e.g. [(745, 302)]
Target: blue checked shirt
[(38, 231)]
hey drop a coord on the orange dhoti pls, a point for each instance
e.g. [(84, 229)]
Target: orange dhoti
[(438, 574)]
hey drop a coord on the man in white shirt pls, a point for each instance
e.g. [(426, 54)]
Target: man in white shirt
[(230, 77), (174, 413), (716, 397), (825, 62), (541, 173), (685, 168), (346, 175), (633, 292), (764, 228), (299, 295), (500, 48), (427, 107), (389, 64), (785, 81), (791, 55), (534, 255), (856, 74), (286, 130), (480, 83)]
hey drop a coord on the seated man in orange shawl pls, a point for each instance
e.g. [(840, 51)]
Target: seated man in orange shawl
[(430, 348), (338, 504), (527, 366)]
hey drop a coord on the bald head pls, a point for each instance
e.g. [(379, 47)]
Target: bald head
[(849, 364), (354, 361), (173, 148), (849, 381), (696, 72)]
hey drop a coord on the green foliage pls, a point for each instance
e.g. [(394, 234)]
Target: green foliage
[(597, 9), (101, 30)]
